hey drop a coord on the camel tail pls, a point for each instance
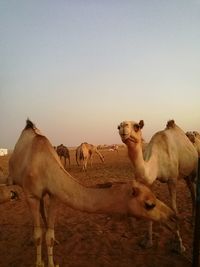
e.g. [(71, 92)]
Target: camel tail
[(43, 212)]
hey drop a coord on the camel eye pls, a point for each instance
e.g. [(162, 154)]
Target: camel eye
[(149, 206), (118, 127)]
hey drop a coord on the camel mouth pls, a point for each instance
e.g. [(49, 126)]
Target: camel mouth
[(124, 137)]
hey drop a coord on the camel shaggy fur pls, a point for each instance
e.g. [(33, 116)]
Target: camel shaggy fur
[(168, 156), (35, 166), (63, 152), (85, 153)]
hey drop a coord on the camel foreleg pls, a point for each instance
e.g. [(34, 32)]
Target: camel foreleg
[(172, 190)]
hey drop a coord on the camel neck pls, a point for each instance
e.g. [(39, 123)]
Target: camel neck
[(142, 168), (92, 200)]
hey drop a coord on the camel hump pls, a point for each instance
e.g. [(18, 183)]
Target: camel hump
[(29, 125), (170, 124)]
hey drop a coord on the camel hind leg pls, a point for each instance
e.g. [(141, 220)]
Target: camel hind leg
[(192, 187), (50, 237), (34, 204)]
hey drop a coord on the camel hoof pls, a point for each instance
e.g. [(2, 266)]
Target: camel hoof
[(176, 247)]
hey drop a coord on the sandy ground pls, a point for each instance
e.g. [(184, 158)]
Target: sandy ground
[(92, 240)]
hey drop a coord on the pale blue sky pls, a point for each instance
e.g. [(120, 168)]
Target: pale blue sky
[(79, 68)]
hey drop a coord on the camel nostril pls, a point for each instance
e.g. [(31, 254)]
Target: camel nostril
[(149, 206)]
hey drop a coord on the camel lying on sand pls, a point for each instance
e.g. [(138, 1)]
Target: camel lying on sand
[(85, 153), (195, 140), (35, 166), (63, 152), (168, 156)]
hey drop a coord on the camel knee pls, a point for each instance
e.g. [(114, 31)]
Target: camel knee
[(50, 237), (37, 236)]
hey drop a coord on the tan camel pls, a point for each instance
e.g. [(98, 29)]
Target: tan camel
[(63, 152), (195, 140), (35, 166), (168, 156), (85, 153)]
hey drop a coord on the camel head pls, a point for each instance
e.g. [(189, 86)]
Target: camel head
[(130, 130), (144, 204), (191, 136), (196, 134)]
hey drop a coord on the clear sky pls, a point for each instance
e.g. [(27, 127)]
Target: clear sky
[(79, 68)]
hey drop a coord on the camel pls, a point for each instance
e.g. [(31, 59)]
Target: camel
[(85, 153), (63, 152), (35, 166), (168, 156), (195, 140)]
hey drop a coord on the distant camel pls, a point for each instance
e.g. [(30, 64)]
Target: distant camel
[(63, 152), (195, 140), (85, 153), (168, 156), (35, 166)]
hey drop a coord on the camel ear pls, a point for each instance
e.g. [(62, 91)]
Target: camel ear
[(141, 124), (135, 191)]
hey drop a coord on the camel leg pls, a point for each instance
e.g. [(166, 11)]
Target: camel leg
[(150, 235), (84, 164), (34, 205), (69, 163), (147, 242), (65, 163), (172, 191), (50, 237), (191, 185)]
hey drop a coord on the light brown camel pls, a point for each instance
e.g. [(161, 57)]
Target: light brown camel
[(35, 166), (168, 156), (63, 152), (85, 153), (195, 140)]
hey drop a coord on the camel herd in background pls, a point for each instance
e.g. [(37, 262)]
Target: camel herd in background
[(35, 165)]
